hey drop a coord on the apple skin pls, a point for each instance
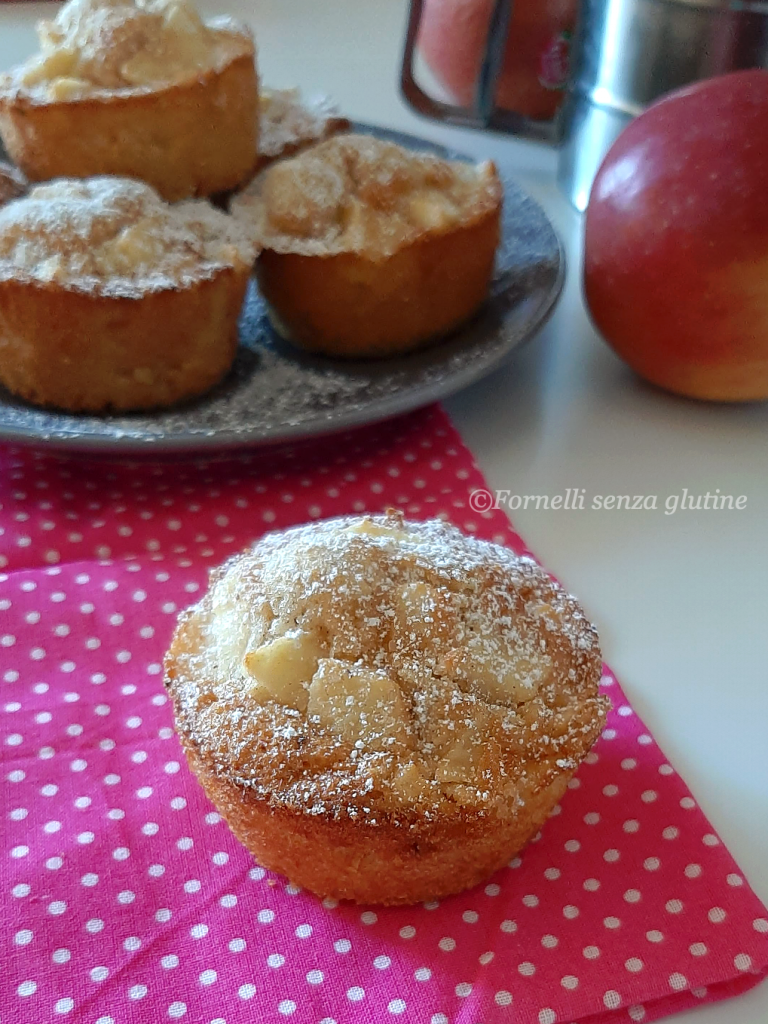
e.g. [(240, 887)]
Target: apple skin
[(676, 241), (452, 40)]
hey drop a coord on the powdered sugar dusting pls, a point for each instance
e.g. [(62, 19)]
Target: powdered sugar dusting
[(471, 677), (115, 236), (288, 120), (108, 46)]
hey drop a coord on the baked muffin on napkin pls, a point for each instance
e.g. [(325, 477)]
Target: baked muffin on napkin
[(110, 299), (384, 711), (141, 88)]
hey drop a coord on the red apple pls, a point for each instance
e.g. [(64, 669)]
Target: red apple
[(676, 245), (452, 39)]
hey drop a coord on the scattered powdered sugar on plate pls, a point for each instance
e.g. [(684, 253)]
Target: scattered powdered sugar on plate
[(275, 393)]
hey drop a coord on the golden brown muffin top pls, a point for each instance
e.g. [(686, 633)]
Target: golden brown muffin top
[(356, 193), (115, 236), (378, 667), (97, 46)]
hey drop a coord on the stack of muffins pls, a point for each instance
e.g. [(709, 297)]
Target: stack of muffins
[(121, 284)]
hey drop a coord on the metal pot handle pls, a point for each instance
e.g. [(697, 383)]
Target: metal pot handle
[(484, 113)]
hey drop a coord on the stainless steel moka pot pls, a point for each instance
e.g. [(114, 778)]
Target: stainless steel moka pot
[(625, 54)]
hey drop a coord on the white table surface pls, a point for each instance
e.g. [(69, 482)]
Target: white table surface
[(680, 600)]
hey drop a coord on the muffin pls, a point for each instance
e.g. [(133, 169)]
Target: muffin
[(12, 183), (289, 123), (371, 249), (384, 711), (141, 89), (110, 299)]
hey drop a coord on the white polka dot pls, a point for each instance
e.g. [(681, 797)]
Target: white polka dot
[(492, 889), (570, 982), (508, 927), (438, 1018), (547, 1016), (228, 900), (636, 1013), (631, 826), (674, 906), (57, 907), (610, 790), (687, 803), (27, 988), (654, 935), (734, 880), (671, 832), (177, 1009), (207, 977), (652, 864), (90, 879), (612, 999), (132, 943), (526, 968), (549, 941), (61, 956), (632, 896), (611, 856), (23, 937), (275, 960), (169, 962), (470, 916), (422, 974), (355, 994), (678, 981), (592, 818), (633, 964), (760, 924), (552, 874), (710, 840), (612, 922), (570, 912), (286, 1007), (698, 949), (368, 917), (692, 870), (198, 931), (382, 962), (447, 944), (247, 991), (742, 962), (396, 1006), (237, 945), (573, 846), (303, 931), (65, 1005), (121, 853), (315, 977), (99, 973), (344, 945), (463, 989)]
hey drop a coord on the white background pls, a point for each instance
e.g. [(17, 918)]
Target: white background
[(680, 600)]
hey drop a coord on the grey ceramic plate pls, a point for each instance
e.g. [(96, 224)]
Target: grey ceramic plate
[(276, 394)]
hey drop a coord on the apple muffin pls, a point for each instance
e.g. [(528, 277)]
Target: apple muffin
[(110, 299), (139, 88), (384, 711), (370, 249)]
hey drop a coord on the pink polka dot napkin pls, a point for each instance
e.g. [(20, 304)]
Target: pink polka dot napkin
[(124, 896)]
